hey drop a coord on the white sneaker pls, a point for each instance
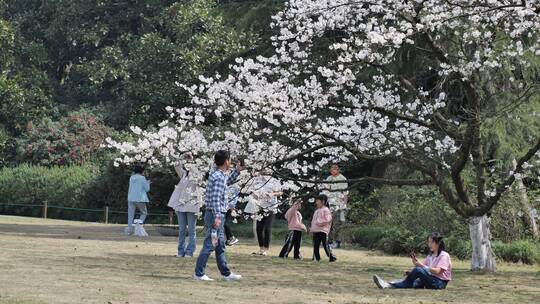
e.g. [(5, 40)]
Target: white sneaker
[(232, 277), (233, 241), (139, 230), (128, 231), (382, 284), (203, 278)]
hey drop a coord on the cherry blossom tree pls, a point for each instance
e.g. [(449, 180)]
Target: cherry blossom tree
[(402, 81)]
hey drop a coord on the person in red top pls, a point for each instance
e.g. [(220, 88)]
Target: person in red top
[(320, 227), (433, 273), (295, 226)]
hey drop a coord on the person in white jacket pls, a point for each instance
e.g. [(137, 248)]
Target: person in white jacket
[(186, 200), (265, 191)]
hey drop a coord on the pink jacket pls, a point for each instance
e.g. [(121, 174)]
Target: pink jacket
[(294, 219), (322, 220)]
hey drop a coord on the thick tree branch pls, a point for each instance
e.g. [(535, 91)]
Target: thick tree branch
[(484, 208), (362, 180), (298, 155), (353, 150)]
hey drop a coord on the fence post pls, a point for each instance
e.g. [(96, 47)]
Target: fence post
[(170, 217), (45, 209), (106, 214)]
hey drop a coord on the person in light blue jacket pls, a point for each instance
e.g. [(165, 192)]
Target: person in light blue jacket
[(137, 197)]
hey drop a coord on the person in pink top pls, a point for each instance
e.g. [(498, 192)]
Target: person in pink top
[(433, 273), (295, 227), (320, 227)]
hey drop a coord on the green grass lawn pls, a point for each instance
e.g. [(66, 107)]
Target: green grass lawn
[(51, 261)]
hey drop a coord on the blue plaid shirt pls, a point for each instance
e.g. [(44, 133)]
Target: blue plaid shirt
[(215, 198)]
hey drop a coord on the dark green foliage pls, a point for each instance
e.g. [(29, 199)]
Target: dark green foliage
[(74, 139), (121, 59), (124, 55), (413, 211)]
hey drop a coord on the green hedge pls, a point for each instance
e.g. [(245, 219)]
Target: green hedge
[(28, 184), (524, 251)]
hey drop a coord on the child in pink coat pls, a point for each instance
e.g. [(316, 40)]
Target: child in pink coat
[(320, 227), (295, 226)]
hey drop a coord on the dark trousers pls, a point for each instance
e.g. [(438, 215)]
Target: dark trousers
[(294, 238), (420, 278), (318, 239), (228, 232), (264, 230)]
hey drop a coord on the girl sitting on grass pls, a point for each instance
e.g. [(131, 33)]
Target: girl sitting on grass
[(433, 273)]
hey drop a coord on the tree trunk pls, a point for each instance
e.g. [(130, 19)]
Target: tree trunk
[(526, 207), (483, 258)]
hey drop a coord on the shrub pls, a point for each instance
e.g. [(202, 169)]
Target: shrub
[(30, 184), (524, 251), (366, 236), (34, 185), (74, 139), (388, 239), (458, 247)]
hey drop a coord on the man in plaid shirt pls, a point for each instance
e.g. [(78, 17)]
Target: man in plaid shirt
[(214, 217), (215, 195)]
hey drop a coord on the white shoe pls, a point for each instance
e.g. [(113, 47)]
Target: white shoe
[(203, 278), (232, 277), (128, 231), (232, 241), (139, 230), (382, 284)]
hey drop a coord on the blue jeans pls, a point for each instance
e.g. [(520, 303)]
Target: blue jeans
[(420, 278), (188, 219), (207, 247)]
